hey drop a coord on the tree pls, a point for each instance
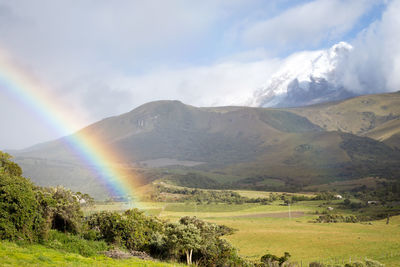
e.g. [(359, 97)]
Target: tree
[(212, 249), (183, 237), (9, 167), (347, 202)]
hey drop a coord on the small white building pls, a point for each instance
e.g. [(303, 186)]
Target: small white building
[(338, 197), (330, 208)]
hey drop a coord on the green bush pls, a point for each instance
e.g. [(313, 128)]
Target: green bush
[(20, 217), (132, 229), (62, 209), (269, 259), (28, 212)]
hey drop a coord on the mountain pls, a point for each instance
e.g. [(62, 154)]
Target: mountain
[(237, 147), (306, 78)]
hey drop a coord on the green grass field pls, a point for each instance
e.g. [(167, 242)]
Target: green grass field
[(12, 254), (305, 241), (265, 229), (260, 229)]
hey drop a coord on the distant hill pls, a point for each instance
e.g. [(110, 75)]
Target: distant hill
[(239, 147), (375, 116)]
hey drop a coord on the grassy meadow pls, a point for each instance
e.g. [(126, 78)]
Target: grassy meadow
[(12, 254), (272, 229)]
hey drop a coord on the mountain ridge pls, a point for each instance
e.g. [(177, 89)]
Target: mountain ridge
[(295, 146)]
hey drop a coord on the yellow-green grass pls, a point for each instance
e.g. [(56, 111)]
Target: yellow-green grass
[(311, 241), (352, 115), (12, 254), (256, 235)]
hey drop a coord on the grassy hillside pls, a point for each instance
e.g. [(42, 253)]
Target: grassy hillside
[(361, 115), (387, 132)]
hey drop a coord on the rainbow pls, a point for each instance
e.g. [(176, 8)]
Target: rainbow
[(99, 157)]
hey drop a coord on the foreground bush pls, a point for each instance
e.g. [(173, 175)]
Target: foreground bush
[(61, 209), (132, 229), (28, 212), (20, 217)]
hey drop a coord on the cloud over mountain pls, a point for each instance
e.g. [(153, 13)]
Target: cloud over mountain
[(369, 65), (306, 78), (105, 58)]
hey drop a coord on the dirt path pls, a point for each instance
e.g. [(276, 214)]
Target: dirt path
[(293, 214)]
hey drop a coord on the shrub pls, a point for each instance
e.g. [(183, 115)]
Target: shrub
[(270, 259), (28, 212), (132, 229), (20, 217), (336, 218), (64, 210)]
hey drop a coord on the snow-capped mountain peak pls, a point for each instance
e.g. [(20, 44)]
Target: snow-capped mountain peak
[(305, 78)]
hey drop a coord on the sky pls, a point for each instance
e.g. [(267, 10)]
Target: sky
[(101, 58)]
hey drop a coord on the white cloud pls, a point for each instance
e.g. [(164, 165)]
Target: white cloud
[(225, 83), (374, 64), (306, 24)]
